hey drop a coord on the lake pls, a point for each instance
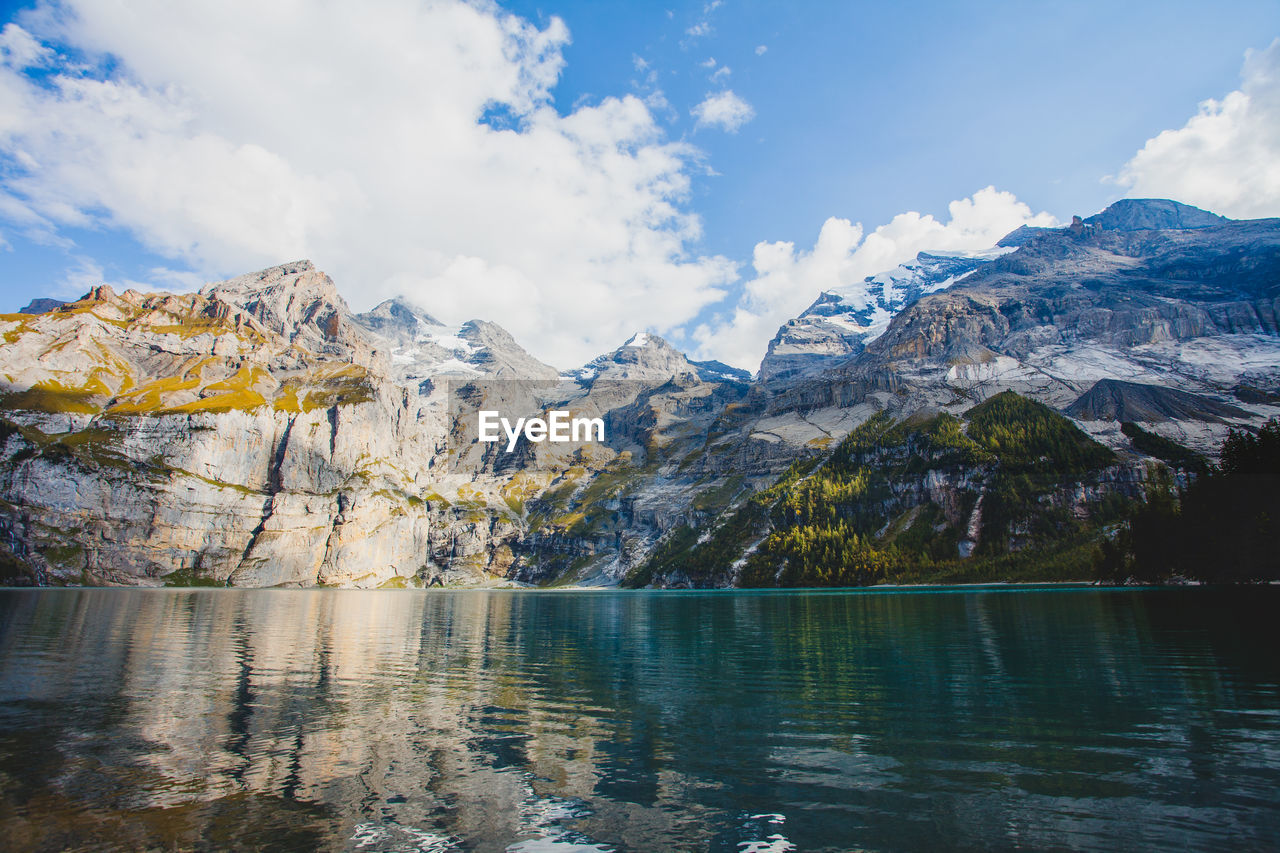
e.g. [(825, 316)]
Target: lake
[(987, 718)]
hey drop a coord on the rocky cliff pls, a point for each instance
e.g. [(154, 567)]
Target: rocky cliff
[(260, 433), (255, 433)]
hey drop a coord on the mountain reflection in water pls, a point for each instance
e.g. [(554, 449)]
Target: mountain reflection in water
[(541, 721)]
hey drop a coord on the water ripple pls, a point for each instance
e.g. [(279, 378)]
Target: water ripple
[(634, 721)]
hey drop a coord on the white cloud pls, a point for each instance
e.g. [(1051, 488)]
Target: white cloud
[(724, 110), (658, 103), (702, 28), (721, 74), (1226, 158), (786, 281), (19, 50), (236, 135), (709, 62), (761, 49)]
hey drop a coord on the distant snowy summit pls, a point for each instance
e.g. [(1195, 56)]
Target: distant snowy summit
[(844, 319), (648, 357), (423, 348)]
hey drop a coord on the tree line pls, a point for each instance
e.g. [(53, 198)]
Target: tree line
[(1224, 527)]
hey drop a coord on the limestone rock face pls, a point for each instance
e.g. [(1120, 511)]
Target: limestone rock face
[(260, 433), (255, 433), (296, 301), (1148, 291)]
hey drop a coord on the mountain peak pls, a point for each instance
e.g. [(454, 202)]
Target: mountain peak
[(1149, 214), (286, 298), (641, 340), (645, 347), (41, 305), (650, 357), (397, 312), (845, 318), (1021, 235), (642, 356)]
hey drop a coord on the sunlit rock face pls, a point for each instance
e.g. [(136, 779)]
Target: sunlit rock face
[(255, 433), (260, 433)]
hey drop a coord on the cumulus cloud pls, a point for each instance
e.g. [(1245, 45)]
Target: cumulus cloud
[(406, 147), (762, 49), (1226, 158), (787, 281), (724, 110)]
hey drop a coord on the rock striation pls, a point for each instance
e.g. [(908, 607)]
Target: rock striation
[(259, 432)]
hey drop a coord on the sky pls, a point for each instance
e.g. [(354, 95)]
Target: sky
[(578, 171)]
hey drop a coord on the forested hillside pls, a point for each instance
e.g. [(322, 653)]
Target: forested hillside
[(1012, 491)]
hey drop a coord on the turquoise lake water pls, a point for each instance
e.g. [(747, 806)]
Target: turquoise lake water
[(589, 721)]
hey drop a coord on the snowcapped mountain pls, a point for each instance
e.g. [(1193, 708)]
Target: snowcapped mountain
[(648, 358), (843, 320), (421, 347), (1151, 292), (259, 433)]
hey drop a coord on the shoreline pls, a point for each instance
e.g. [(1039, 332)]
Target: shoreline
[(994, 586)]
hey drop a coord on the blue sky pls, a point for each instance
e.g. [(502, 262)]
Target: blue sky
[(866, 110), (597, 202)]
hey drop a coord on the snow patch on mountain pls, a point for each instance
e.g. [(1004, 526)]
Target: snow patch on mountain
[(421, 347), (448, 338), (649, 357), (845, 318), (639, 340)]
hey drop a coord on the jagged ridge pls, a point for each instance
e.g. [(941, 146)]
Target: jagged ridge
[(259, 432)]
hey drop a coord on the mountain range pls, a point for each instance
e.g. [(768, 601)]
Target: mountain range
[(959, 415)]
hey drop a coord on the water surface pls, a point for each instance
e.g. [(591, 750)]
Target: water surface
[(737, 721)]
